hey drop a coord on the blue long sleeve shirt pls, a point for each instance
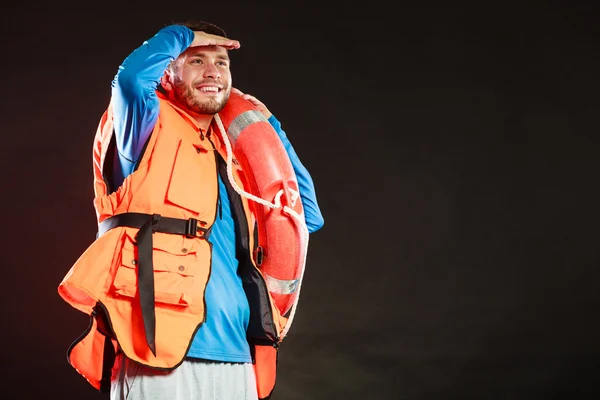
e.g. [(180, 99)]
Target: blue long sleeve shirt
[(135, 109)]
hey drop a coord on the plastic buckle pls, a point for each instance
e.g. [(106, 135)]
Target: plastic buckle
[(191, 228)]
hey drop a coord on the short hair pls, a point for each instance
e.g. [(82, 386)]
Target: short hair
[(203, 26)]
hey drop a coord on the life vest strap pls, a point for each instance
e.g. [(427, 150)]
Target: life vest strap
[(147, 225), (188, 227)]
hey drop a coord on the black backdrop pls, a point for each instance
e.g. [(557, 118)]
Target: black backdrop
[(454, 151)]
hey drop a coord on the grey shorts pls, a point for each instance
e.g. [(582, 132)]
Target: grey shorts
[(192, 380)]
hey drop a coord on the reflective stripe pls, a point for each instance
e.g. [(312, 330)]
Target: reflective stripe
[(280, 286), (242, 121)]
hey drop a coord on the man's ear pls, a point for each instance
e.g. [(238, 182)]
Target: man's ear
[(165, 80)]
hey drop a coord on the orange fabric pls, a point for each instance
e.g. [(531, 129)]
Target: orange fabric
[(92, 348), (265, 369), (105, 273)]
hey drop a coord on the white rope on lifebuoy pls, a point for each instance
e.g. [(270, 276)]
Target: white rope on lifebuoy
[(276, 204), (302, 222)]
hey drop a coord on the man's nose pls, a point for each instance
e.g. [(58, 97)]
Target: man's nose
[(211, 71)]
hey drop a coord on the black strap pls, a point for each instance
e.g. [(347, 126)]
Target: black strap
[(147, 225), (107, 365), (188, 227)]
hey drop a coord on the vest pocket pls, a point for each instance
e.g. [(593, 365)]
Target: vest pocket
[(174, 271), (189, 184)]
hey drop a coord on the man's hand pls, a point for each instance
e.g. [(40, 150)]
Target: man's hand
[(257, 103), (206, 39)]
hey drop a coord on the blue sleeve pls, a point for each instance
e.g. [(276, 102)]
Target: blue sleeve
[(134, 101), (312, 213)]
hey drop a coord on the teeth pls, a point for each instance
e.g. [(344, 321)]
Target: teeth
[(209, 89)]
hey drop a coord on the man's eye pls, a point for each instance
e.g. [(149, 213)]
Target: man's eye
[(197, 61), (222, 63)]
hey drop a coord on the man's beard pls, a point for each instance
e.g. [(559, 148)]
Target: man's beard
[(186, 96)]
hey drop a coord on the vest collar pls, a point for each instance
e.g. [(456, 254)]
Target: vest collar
[(210, 132)]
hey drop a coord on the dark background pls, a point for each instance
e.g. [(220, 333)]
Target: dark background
[(454, 151)]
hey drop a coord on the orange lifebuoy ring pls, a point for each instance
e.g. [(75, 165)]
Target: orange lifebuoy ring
[(273, 189)]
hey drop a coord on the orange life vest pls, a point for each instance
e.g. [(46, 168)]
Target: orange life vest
[(160, 216)]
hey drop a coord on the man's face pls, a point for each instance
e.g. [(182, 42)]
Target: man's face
[(201, 79)]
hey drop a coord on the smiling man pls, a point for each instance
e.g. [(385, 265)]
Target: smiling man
[(179, 307), (200, 81)]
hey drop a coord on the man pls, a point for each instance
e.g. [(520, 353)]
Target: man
[(176, 313)]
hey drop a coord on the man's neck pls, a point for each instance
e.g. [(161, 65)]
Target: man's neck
[(203, 120)]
